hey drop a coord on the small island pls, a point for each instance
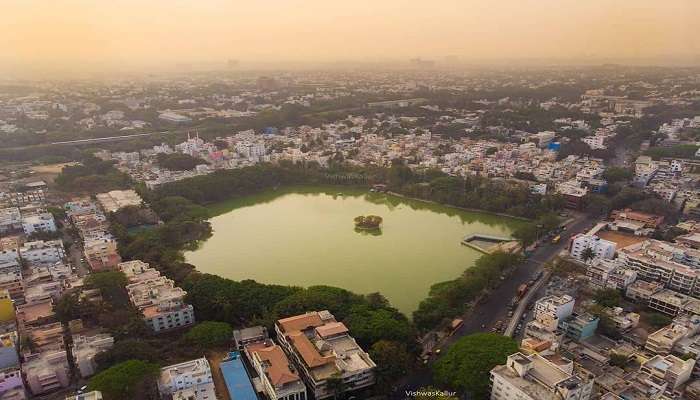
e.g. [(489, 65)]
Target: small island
[(369, 222)]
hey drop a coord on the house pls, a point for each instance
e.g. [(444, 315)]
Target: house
[(190, 380)]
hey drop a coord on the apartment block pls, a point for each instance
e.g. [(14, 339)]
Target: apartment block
[(161, 303), (46, 372), (601, 248), (609, 274), (550, 310), (101, 253), (322, 348), (670, 368), (39, 222), (673, 303), (665, 339), (279, 378), (117, 199), (189, 380), (534, 377), (42, 252)]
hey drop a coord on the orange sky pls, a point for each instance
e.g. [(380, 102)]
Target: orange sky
[(85, 34)]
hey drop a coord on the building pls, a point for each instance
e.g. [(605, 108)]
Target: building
[(551, 310), (42, 252), (10, 373), (10, 220), (101, 253), (190, 380), (603, 273), (39, 222), (650, 221), (670, 368), (601, 248), (279, 378), (673, 303), (665, 339), (117, 199), (641, 291), (47, 371), (579, 326), (85, 348), (534, 377), (322, 348), (246, 336), (161, 303)]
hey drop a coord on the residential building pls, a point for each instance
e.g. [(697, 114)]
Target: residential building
[(279, 378), (322, 348), (42, 252), (601, 248), (579, 326), (101, 253), (551, 310), (603, 273), (534, 377), (46, 372), (39, 222), (187, 380), (85, 348), (117, 199), (641, 291), (10, 220), (670, 368), (673, 303), (665, 339), (246, 336), (161, 303), (10, 373)]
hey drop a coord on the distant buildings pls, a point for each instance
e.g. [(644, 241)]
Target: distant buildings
[(117, 199)]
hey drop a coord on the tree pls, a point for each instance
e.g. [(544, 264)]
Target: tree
[(112, 286), (125, 380), (393, 360), (587, 254), (336, 386), (607, 297), (617, 174), (657, 320), (210, 334), (618, 360), (125, 350), (466, 365), (178, 161)]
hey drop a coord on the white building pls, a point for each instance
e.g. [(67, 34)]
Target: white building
[(47, 371), (534, 377), (601, 248), (549, 310), (40, 222), (10, 220), (42, 252), (161, 303), (190, 380)]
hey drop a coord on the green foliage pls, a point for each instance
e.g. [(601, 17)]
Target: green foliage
[(466, 365), (368, 221), (617, 174), (178, 161), (618, 360), (393, 360), (112, 285), (127, 349), (92, 175), (678, 151), (448, 299), (125, 380), (657, 320), (608, 297), (210, 334), (131, 216)]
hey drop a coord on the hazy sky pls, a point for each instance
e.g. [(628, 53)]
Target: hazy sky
[(135, 33)]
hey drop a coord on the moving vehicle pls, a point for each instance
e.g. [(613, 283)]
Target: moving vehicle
[(556, 239)]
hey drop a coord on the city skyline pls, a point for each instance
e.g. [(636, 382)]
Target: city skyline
[(79, 36)]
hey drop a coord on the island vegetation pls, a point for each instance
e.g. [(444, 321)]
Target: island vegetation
[(368, 222)]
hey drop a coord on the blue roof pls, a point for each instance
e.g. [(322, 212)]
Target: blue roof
[(237, 380)]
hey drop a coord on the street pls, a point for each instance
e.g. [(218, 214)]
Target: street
[(484, 315)]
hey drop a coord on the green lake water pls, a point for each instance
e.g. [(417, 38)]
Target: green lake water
[(306, 236)]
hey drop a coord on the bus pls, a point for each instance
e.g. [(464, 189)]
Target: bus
[(556, 239)]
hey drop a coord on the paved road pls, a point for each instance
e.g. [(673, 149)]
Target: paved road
[(518, 313), (495, 307)]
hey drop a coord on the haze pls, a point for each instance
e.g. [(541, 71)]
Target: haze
[(83, 35)]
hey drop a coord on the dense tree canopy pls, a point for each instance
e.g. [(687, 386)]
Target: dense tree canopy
[(210, 334), (125, 381), (178, 161), (466, 365)]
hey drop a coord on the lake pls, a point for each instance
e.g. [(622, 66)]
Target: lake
[(306, 236)]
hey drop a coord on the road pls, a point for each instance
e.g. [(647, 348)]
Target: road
[(495, 307), (518, 313)]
